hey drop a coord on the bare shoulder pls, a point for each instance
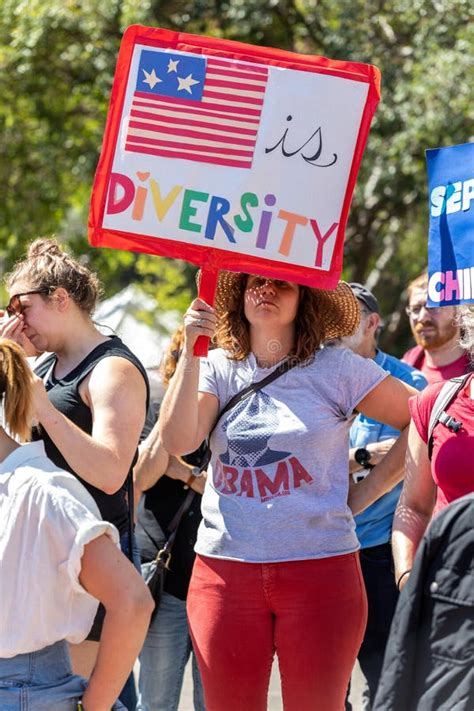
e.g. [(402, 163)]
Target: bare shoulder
[(116, 368), (115, 376)]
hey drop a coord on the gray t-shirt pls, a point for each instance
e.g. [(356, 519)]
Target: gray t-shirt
[(278, 479)]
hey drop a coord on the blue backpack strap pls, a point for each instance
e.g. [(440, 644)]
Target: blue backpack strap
[(438, 413)]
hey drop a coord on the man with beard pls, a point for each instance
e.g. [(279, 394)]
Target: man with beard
[(370, 441), (437, 354)]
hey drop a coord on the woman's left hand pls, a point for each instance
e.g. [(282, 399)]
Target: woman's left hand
[(40, 398)]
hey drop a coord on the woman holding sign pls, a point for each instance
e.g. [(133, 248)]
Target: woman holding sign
[(277, 566)]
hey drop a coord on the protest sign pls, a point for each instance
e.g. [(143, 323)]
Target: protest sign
[(451, 231), (231, 156)]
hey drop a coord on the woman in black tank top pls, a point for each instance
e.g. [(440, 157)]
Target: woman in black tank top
[(91, 395)]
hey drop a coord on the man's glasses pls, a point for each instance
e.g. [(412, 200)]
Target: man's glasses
[(15, 307), (415, 311)]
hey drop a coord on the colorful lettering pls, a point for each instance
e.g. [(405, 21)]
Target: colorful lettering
[(245, 223), (217, 209), (116, 204), (229, 477), (453, 198), (299, 472), (188, 210), (246, 484), (452, 288), (292, 219), (438, 204), (467, 193), (265, 221), (162, 205), (140, 197), (451, 285), (278, 487), (434, 293), (321, 240)]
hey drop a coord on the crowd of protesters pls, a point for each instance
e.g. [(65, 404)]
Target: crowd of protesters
[(319, 445)]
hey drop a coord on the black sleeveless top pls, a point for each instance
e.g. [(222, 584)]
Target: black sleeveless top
[(64, 394)]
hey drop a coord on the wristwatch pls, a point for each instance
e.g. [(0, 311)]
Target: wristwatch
[(363, 457)]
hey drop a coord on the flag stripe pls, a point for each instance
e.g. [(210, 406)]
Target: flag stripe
[(165, 137), (218, 124), (231, 96), (237, 66), (213, 125), (254, 88), (188, 146), (178, 108), (191, 134), (191, 103), (237, 75), (220, 160)]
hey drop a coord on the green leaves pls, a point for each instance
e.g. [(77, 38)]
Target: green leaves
[(57, 60)]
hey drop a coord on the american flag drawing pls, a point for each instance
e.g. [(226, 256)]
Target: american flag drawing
[(196, 107)]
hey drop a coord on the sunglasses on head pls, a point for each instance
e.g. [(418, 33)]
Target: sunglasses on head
[(15, 307)]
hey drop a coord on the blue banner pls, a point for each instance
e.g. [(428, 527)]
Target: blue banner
[(451, 231)]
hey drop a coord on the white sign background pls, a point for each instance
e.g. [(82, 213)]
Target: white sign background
[(313, 100)]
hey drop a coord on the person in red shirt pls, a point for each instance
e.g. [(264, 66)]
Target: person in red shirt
[(429, 486), (438, 353)]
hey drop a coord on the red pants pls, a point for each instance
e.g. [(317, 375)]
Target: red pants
[(312, 613)]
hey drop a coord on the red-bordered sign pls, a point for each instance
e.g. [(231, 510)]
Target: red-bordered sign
[(230, 155)]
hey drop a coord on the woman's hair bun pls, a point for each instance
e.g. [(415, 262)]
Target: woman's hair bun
[(44, 246), (47, 266)]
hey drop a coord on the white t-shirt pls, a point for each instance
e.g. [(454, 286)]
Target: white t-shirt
[(278, 480), (47, 517)]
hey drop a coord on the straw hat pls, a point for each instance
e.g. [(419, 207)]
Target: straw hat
[(340, 308)]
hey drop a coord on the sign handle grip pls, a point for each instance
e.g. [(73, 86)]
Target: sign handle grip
[(207, 291)]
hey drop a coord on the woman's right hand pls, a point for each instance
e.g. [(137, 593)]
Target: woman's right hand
[(199, 320), (13, 327)]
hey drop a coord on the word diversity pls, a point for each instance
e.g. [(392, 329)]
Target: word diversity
[(250, 218)]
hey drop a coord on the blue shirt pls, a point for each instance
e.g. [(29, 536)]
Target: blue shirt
[(374, 525)]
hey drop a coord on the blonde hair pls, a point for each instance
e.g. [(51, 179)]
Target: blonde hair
[(47, 266), (16, 389)]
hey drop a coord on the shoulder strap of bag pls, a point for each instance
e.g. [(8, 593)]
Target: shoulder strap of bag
[(446, 395), (284, 367), (165, 552)]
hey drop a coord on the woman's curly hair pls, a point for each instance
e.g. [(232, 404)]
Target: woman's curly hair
[(233, 334)]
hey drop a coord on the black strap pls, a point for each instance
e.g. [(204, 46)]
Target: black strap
[(445, 396), (282, 368), (165, 552)]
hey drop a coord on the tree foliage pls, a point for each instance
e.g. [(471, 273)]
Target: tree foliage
[(57, 60)]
